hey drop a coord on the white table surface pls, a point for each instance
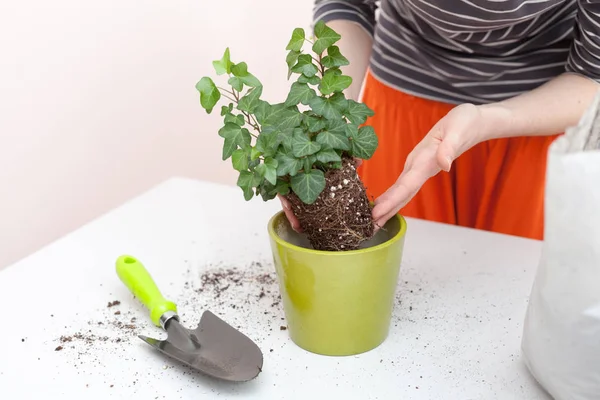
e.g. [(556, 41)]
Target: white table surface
[(455, 333)]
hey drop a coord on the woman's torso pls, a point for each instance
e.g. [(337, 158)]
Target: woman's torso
[(472, 50)]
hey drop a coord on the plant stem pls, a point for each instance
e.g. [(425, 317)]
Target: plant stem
[(228, 98), (256, 123), (225, 90), (235, 94), (252, 124), (320, 61)]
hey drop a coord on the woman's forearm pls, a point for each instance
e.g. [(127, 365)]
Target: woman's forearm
[(355, 45), (546, 110)]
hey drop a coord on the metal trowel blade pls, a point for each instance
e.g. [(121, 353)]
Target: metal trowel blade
[(214, 348)]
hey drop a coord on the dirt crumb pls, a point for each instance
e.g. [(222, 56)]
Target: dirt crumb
[(113, 303)]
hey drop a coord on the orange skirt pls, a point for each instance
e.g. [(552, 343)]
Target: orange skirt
[(498, 185)]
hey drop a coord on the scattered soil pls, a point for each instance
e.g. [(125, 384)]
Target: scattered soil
[(340, 219), (283, 328), (59, 348), (65, 339), (209, 287), (218, 279), (246, 296), (115, 327)]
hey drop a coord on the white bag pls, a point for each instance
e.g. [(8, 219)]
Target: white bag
[(561, 337)]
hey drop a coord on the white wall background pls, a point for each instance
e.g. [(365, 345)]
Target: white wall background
[(97, 101)]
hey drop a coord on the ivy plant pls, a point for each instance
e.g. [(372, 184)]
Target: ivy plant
[(278, 147)]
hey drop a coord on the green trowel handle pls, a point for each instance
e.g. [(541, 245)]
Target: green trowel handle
[(134, 275)]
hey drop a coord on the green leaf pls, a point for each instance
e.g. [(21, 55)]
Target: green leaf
[(291, 59), (297, 40), (313, 80), (308, 185), (250, 101), (338, 126), (334, 58), (282, 187), (302, 145), (334, 82), (257, 178), (328, 155), (269, 191), (287, 164), (268, 170), (253, 164), (308, 162), (267, 143), (223, 66), (351, 130), (299, 93), (261, 170), (254, 154), (285, 137), (263, 110), (245, 182), (331, 107), (325, 37), (236, 83), (339, 101), (229, 146), (358, 113), (271, 172), (209, 94), (305, 66), (236, 119), (240, 71), (251, 81), (239, 159), (324, 108), (315, 124), (240, 136), (281, 117), (332, 140), (226, 109), (364, 143)]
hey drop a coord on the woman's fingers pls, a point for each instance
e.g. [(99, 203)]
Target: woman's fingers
[(398, 195), (287, 209)]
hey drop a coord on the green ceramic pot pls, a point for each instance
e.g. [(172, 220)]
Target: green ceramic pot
[(337, 303)]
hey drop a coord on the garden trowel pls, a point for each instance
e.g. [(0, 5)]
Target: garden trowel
[(214, 347)]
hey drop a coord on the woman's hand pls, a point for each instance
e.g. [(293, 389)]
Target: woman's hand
[(458, 131), (454, 134)]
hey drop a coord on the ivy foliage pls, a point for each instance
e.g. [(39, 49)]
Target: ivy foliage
[(277, 147)]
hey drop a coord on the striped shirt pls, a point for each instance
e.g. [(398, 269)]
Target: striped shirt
[(475, 51)]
